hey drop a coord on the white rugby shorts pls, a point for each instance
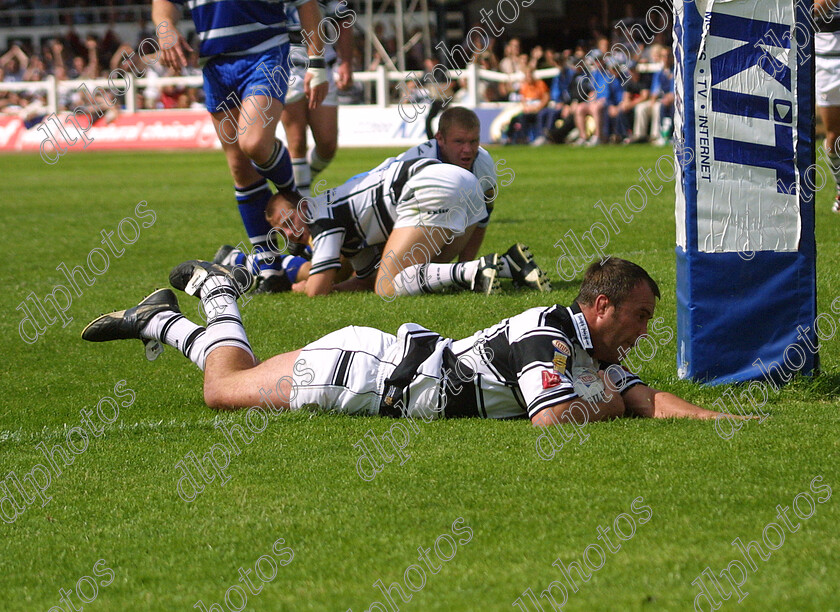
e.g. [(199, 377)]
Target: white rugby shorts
[(828, 81), (441, 195), (294, 92), (345, 371)]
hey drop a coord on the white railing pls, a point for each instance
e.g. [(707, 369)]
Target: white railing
[(382, 78)]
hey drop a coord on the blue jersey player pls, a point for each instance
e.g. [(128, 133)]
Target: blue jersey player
[(244, 52)]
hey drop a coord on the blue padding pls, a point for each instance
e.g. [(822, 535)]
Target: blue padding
[(733, 311)]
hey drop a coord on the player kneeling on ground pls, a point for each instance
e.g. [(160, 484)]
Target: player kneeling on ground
[(551, 364), (456, 142), (398, 224)]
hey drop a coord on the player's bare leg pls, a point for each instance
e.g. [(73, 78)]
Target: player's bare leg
[(241, 170), (323, 121), (470, 250), (295, 124), (231, 380), (263, 116), (413, 262), (254, 156)]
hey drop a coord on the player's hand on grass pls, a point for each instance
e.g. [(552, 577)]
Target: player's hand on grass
[(299, 287)]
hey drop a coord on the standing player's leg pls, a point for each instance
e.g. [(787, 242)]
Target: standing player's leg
[(254, 154), (295, 124), (830, 116), (323, 120), (269, 156), (252, 193)]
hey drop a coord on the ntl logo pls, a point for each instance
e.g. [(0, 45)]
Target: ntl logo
[(758, 37)]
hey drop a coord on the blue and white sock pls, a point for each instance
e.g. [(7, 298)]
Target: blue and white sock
[(258, 262), (278, 168), (252, 201)]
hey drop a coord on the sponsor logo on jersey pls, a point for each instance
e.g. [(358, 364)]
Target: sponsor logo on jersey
[(589, 386), (582, 330), (562, 347), (550, 379)]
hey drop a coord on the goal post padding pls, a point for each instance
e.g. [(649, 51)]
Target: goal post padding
[(744, 142)]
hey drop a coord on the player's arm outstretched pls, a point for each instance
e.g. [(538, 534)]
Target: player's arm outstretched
[(644, 401), (639, 401), (580, 412), (165, 14)]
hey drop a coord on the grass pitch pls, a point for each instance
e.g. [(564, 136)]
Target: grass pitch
[(115, 516)]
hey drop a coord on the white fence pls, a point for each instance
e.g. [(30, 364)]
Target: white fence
[(382, 78)]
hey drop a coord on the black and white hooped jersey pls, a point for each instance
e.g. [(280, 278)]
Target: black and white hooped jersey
[(359, 215), (525, 364)]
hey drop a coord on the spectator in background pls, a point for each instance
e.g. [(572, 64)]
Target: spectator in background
[(560, 106), (534, 97), (612, 112), (36, 70), (510, 65), (636, 91), (170, 95), (414, 56), (14, 63), (594, 104), (659, 108), (510, 61), (487, 57)]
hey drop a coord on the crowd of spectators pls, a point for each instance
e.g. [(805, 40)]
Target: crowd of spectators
[(600, 94), (74, 57), (597, 93)]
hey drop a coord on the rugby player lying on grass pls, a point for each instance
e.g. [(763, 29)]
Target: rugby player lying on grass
[(551, 364)]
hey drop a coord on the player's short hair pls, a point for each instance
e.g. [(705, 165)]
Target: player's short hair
[(614, 278), (459, 116)]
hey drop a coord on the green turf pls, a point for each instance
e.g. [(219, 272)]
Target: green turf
[(297, 480)]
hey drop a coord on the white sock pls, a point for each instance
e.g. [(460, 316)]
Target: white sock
[(224, 325), (316, 162), (434, 278), (303, 175), (177, 331)]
